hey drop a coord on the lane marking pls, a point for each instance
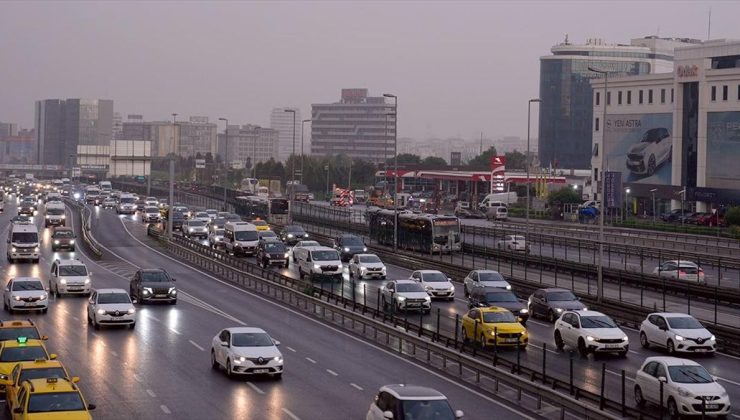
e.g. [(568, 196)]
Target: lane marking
[(291, 349), (331, 372), (354, 385), (151, 393), (728, 381), (75, 318), (256, 388), (311, 360), (620, 375), (114, 353), (291, 415), (175, 331), (165, 409), (137, 377), (196, 345)]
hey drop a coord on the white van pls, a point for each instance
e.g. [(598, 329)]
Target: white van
[(318, 262), (497, 213), (23, 242), (240, 238), (105, 186), (494, 200), (126, 204), (55, 214)]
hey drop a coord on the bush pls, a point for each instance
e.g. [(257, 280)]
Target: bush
[(733, 216)]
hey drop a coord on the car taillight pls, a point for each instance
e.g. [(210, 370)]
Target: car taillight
[(681, 273)]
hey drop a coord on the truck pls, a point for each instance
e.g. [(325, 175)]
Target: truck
[(495, 200), (298, 192)]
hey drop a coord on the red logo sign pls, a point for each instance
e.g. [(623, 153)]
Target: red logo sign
[(498, 162)]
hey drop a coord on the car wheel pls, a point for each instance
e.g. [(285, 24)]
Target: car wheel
[(132, 326), (277, 376), (214, 362), (582, 350), (644, 341), (229, 373), (670, 347), (95, 323), (465, 336), (651, 165), (482, 342), (673, 409), (551, 316), (639, 399), (559, 344)]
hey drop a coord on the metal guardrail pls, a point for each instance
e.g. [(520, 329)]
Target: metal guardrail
[(85, 229)]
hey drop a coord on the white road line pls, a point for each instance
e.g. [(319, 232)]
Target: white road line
[(620, 375), (153, 317), (539, 347), (634, 352), (114, 353), (311, 360), (354, 385), (75, 318), (291, 349), (291, 415), (165, 409), (331, 372), (728, 381), (736, 416), (196, 345), (256, 388), (151, 393), (137, 377), (175, 331)]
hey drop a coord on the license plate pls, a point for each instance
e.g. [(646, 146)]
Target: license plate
[(76, 289), (701, 350), (160, 295), (711, 406), (510, 340), (261, 370), (613, 346)]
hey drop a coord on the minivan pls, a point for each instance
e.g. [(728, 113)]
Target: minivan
[(318, 262), (23, 242), (240, 238)]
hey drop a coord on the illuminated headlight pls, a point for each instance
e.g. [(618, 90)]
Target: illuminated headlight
[(287, 254), (290, 235), (305, 235), (346, 249), (87, 281), (101, 311), (62, 281), (524, 311), (191, 230), (363, 269), (44, 296), (278, 359), (242, 359), (316, 266), (131, 311), (589, 338), (56, 241), (492, 332), (77, 196), (402, 298), (16, 298), (36, 249), (147, 290), (452, 288), (48, 217), (508, 287), (64, 216), (71, 241), (625, 338), (679, 338), (383, 269), (712, 338), (35, 212), (364, 249), (172, 291), (13, 249), (584, 308), (558, 310), (427, 299)]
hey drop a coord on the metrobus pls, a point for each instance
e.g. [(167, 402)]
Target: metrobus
[(428, 233), (273, 210)]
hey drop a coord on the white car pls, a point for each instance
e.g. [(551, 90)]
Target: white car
[(246, 351), (677, 333), (25, 294), (513, 243), (405, 295), (216, 237), (202, 216), (680, 270), (366, 265), (686, 387), (590, 332), (150, 215), (111, 307), (436, 283), (484, 278), (69, 277), (302, 244), (410, 402), (653, 150), (109, 203), (151, 201), (212, 213), (195, 228)]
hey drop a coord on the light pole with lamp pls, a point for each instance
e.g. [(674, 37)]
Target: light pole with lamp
[(170, 215), (626, 203), (226, 154), (395, 169), (528, 163), (292, 160), (652, 192), (602, 208), (303, 124)]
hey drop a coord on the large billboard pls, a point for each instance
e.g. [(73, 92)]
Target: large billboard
[(640, 146), (723, 150)]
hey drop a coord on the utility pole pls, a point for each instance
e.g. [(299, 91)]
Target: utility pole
[(226, 153), (602, 172), (395, 168), (172, 177)]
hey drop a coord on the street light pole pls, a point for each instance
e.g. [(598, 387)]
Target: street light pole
[(292, 160), (602, 208), (226, 153), (395, 169), (653, 193), (172, 177), (303, 124), (527, 162)]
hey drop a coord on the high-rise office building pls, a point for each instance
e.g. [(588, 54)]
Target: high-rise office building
[(359, 126), (567, 101), (282, 121), (187, 138), (247, 145)]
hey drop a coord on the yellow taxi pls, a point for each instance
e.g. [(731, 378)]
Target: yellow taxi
[(261, 225), (34, 370), (495, 326), (19, 350), (50, 398), (11, 330)]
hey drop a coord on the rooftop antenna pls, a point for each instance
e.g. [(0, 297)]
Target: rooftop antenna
[(709, 26)]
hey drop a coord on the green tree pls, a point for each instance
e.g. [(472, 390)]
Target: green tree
[(405, 158), (732, 217), (515, 160), (434, 161), (564, 196), (483, 161)]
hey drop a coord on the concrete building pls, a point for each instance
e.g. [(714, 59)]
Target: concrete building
[(282, 122), (196, 136), (565, 117), (18, 148), (248, 144), (675, 131), (8, 129), (359, 126), (117, 126), (62, 125), (186, 138)]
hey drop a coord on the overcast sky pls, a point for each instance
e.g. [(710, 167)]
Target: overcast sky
[(458, 68)]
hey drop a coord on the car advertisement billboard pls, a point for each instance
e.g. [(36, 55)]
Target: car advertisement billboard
[(640, 146), (723, 149)]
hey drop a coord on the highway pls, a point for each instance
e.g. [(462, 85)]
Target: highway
[(162, 368)]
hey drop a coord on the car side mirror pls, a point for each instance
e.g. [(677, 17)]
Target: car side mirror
[(173, 279), (224, 344), (18, 410), (53, 356), (44, 337), (387, 415), (662, 379), (277, 343), (91, 406), (75, 379), (134, 301), (459, 414)]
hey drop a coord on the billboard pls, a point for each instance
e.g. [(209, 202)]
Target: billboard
[(613, 185), (640, 146), (723, 150)]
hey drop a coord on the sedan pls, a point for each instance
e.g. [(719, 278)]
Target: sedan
[(494, 326), (25, 294), (366, 265), (436, 283), (590, 332), (291, 234), (551, 303), (484, 278), (111, 307), (246, 351), (680, 270), (405, 295), (687, 388), (513, 243), (677, 333)]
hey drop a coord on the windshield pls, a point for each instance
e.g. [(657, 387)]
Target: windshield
[(154, 276), (684, 323), (267, 234), (196, 223), (219, 232), (561, 296), (369, 259), (433, 410), (104, 298), (202, 214), (689, 375), (64, 234), (246, 235), (600, 321), (325, 255), (23, 354), (352, 241), (409, 287), (27, 285), (497, 317), (309, 243), (55, 401), (38, 373), (14, 333), (275, 247), (127, 200), (251, 340), (434, 277), (490, 276), (72, 270), (501, 297), (294, 229), (25, 237), (151, 210), (442, 232), (55, 212)]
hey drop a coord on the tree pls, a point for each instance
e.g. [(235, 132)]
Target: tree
[(516, 160), (434, 161), (483, 161), (732, 217), (565, 195), (405, 158)]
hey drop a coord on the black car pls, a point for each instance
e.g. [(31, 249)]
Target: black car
[(178, 218), (494, 296), (63, 238), (27, 207), (292, 234), (272, 252), (552, 302), (153, 285), (674, 215), (349, 245)]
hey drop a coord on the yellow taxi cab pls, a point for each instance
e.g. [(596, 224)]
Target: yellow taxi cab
[(50, 398), (495, 326), (34, 370), (20, 350), (261, 225), (11, 330)]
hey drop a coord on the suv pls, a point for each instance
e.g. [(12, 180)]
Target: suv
[(271, 252), (410, 401), (62, 238), (349, 245), (403, 295), (318, 262), (653, 150), (495, 296), (590, 332), (69, 277), (151, 285), (551, 303)]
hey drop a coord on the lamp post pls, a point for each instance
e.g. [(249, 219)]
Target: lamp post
[(292, 160), (395, 169), (602, 208), (328, 195), (172, 177), (626, 203), (303, 124), (527, 162), (226, 153), (653, 194)]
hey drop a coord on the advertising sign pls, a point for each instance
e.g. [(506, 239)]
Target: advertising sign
[(498, 173), (613, 185), (640, 146), (723, 150), (200, 163)]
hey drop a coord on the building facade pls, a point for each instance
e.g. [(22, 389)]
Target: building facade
[(248, 145), (565, 126), (186, 138), (282, 121), (359, 126)]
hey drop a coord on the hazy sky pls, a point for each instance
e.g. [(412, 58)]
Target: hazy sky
[(459, 68)]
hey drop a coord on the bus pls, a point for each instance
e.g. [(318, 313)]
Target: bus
[(273, 210), (428, 233), (249, 185)]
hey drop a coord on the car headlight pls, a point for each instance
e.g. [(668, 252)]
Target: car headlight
[(584, 308), (44, 296), (64, 216), (47, 216), (242, 359), (383, 269), (101, 311), (364, 249), (724, 393), (147, 290), (401, 298), (278, 359), (131, 311), (16, 298), (87, 281), (679, 338), (589, 338), (13, 249), (56, 241), (625, 338), (452, 288), (287, 254), (36, 249), (71, 241), (684, 392), (712, 338), (427, 299), (524, 311), (346, 249), (290, 235), (62, 281), (316, 266), (172, 291), (305, 235), (558, 310), (363, 269)]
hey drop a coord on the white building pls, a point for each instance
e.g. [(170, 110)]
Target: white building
[(282, 122), (675, 136), (248, 144)]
